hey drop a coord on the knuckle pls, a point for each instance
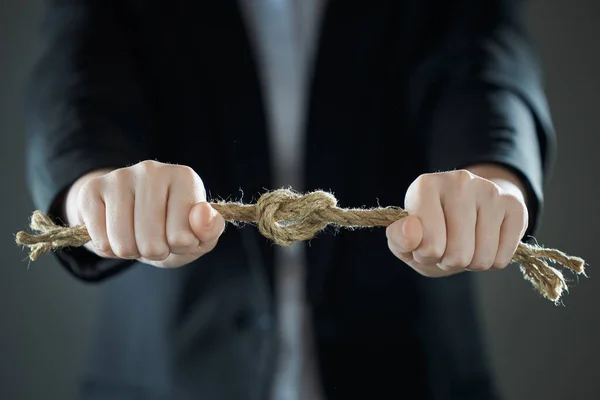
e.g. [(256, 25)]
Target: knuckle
[(426, 181), (190, 178), (116, 181), (489, 190), (153, 250), (501, 263), (148, 164), (397, 251), (520, 210), (463, 176), (207, 236), (201, 250), (482, 264), (448, 267), (102, 246), (125, 250), (89, 210), (118, 175), (424, 185), (456, 260), (89, 190), (186, 171), (397, 244), (431, 252), (182, 239), (196, 181), (92, 185), (145, 167), (206, 247), (513, 203)]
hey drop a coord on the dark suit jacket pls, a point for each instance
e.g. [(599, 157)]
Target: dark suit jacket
[(400, 88)]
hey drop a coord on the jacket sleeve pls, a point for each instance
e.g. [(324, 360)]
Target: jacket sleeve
[(477, 95), (86, 110)]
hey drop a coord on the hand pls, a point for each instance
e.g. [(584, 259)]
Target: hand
[(152, 212), (458, 222)]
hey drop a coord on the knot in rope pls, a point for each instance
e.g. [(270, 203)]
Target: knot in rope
[(286, 217)]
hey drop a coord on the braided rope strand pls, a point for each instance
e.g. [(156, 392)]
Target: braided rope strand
[(286, 217)]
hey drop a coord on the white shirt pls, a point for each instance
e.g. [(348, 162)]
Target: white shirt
[(284, 35)]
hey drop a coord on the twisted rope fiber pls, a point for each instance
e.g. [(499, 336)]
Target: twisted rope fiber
[(285, 217)]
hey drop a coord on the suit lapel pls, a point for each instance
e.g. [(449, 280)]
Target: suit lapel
[(330, 118), (238, 92), (339, 93), (345, 115)]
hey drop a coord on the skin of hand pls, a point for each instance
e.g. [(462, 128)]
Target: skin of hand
[(151, 212), (463, 220)]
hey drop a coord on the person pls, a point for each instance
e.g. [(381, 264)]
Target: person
[(140, 113)]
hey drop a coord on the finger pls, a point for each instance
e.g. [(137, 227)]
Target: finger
[(150, 214), (487, 236), (180, 237), (207, 224), (460, 213), (404, 236), (208, 246), (432, 246), (119, 222), (399, 253), (92, 213), (511, 232)]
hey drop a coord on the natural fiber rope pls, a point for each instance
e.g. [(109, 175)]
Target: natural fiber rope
[(285, 217)]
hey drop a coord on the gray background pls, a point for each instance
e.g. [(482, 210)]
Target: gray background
[(539, 351)]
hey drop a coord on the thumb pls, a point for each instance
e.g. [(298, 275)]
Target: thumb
[(405, 235), (207, 224)]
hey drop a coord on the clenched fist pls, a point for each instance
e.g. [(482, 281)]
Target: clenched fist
[(152, 212), (459, 221)]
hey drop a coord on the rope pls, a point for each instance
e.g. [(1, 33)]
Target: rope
[(285, 217)]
